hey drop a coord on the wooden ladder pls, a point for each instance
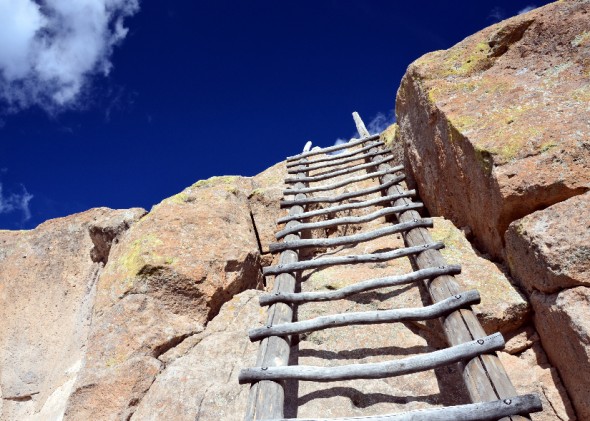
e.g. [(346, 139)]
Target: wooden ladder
[(492, 394)]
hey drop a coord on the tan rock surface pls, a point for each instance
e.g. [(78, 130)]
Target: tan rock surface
[(503, 308), (530, 372), (497, 126), (549, 250), (47, 285), (202, 383), (166, 278), (564, 327)]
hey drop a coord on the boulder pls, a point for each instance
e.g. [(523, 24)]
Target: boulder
[(549, 250), (564, 327), (47, 286), (496, 127), (163, 282)]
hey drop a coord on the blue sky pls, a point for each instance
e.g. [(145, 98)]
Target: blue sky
[(121, 103)]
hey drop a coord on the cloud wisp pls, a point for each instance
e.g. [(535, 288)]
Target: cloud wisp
[(16, 202), (527, 9), (49, 50)]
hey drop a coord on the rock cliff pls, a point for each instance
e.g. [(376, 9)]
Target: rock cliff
[(496, 138)]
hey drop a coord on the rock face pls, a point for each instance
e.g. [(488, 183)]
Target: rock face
[(503, 308), (549, 250), (48, 282), (167, 277), (496, 127), (564, 326)]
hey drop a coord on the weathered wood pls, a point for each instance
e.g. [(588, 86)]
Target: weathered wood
[(368, 285), (338, 156), (266, 398), (360, 126), (349, 239), (349, 144), (380, 370), (349, 260), (342, 161), (480, 411), (439, 309), (344, 196), (484, 376), (346, 220), (342, 183), (346, 206), (336, 172)]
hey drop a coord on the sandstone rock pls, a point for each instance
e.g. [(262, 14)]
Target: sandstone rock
[(267, 191), (47, 285), (564, 327), (531, 373), (502, 308), (203, 383), (164, 280), (549, 250), (497, 126)]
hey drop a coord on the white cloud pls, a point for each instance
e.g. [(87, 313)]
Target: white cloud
[(16, 202), (48, 51), (527, 9), (380, 122)]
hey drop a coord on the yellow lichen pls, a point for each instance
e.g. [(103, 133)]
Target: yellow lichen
[(226, 179), (580, 39)]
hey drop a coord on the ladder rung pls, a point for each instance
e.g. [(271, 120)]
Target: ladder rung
[(439, 309), (350, 260), (347, 206), (344, 160), (349, 219), (342, 183), (338, 156), (337, 172), (349, 144), (350, 239), (344, 196), (480, 411), (380, 370), (368, 285)]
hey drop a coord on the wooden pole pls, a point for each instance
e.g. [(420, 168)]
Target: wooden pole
[(484, 376)]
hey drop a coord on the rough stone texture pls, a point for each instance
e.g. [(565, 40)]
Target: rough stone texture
[(47, 285), (497, 126), (549, 250), (167, 277), (530, 372), (564, 326), (267, 191), (502, 308), (202, 383)]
